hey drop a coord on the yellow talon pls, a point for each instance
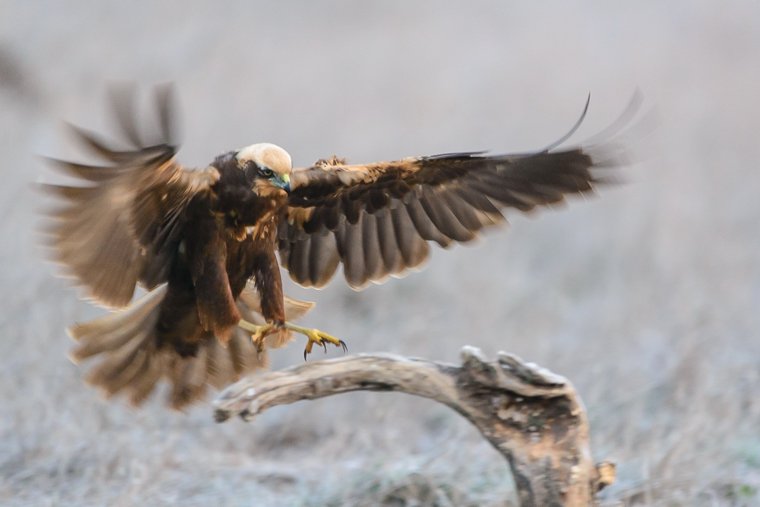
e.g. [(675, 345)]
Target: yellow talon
[(316, 336), (259, 332)]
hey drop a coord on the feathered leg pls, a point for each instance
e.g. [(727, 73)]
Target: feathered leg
[(206, 253)]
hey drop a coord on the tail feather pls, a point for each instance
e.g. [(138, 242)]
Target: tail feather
[(235, 350), (133, 364), (219, 362), (188, 379), (113, 380), (117, 329), (144, 384), (130, 374), (119, 365)]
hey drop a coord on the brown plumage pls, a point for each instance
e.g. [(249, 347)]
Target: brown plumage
[(203, 243)]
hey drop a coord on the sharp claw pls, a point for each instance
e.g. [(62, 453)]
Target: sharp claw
[(315, 336), (307, 350)]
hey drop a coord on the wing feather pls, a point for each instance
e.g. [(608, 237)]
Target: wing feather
[(124, 103), (373, 262), (386, 238), (414, 249), (120, 226), (470, 218), (299, 259), (442, 216), (351, 252), (323, 258), (424, 223), (383, 215)]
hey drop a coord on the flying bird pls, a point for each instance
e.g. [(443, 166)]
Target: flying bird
[(204, 243)]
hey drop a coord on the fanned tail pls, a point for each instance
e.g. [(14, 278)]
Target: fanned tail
[(132, 363)]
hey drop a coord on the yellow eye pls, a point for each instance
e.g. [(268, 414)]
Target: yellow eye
[(267, 173)]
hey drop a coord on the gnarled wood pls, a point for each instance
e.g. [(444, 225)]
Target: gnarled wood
[(532, 416)]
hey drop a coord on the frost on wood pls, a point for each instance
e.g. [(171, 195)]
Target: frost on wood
[(532, 416)]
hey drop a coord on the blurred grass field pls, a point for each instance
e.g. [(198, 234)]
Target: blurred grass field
[(646, 297)]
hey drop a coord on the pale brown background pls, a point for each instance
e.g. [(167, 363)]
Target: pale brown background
[(647, 297)]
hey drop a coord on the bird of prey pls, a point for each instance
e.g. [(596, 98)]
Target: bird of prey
[(204, 243)]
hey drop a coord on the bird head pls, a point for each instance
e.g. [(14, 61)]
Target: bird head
[(265, 165)]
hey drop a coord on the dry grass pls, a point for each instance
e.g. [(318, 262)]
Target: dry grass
[(647, 298)]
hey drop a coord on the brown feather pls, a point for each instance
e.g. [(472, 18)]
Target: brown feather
[(298, 262), (219, 365), (92, 173), (323, 259), (120, 359), (468, 217), (136, 368), (110, 234), (414, 249), (373, 262), (350, 248), (424, 224), (444, 198), (116, 232), (114, 330), (143, 385), (386, 238), (442, 217)]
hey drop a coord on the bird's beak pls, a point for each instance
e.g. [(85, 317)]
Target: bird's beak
[(283, 181)]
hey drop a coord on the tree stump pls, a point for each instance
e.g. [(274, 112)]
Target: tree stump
[(532, 416)]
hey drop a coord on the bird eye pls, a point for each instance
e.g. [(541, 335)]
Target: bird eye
[(267, 173)]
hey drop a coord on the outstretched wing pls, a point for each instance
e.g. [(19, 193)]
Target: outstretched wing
[(377, 219), (122, 227)]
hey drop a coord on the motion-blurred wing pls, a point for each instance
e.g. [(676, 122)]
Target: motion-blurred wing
[(122, 226), (377, 219)]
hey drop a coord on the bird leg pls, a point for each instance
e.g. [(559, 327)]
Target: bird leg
[(259, 332)]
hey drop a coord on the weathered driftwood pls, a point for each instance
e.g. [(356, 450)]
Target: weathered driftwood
[(532, 416)]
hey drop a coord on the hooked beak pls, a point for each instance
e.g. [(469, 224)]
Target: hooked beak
[(283, 181)]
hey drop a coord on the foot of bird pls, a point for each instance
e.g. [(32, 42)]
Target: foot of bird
[(258, 332), (261, 331), (316, 336)]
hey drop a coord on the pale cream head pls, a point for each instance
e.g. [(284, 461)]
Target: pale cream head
[(266, 156)]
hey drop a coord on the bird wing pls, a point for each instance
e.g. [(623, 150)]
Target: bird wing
[(122, 227), (378, 219)]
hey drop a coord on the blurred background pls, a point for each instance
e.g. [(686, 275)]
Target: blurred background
[(645, 297)]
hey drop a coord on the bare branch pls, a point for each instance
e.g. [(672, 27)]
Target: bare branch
[(532, 416)]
